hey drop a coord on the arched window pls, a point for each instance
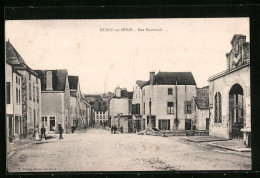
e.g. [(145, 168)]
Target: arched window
[(218, 114)]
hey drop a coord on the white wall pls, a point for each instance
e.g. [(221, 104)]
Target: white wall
[(159, 96), (223, 85)]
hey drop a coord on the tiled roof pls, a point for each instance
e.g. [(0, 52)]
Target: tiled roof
[(169, 78), (202, 99), (140, 83), (13, 58), (58, 79), (73, 82)]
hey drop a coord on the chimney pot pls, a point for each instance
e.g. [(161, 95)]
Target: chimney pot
[(152, 74)]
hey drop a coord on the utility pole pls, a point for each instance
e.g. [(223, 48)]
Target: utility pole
[(150, 117)]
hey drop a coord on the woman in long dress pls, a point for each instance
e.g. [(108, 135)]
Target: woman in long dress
[(37, 138)]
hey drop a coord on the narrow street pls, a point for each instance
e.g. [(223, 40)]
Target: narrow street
[(99, 150)]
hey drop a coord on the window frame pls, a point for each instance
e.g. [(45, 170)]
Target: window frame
[(170, 109), (170, 91), (218, 108)]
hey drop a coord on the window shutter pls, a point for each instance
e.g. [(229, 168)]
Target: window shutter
[(168, 124), (185, 107), (133, 109)]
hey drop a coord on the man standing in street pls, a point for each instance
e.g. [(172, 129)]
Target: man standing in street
[(60, 130), (43, 130)]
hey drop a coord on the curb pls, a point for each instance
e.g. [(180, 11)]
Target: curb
[(198, 141), (237, 149)]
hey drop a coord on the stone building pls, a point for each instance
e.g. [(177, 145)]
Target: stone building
[(201, 109), (14, 123), (55, 101), (75, 103), (170, 95), (30, 91), (120, 107), (137, 106), (86, 111), (101, 117), (229, 94)]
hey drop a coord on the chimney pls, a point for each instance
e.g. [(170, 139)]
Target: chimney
[(49, 80), (118, 92), (152, 74)]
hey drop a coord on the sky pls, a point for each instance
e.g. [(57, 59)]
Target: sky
[(105, 59)]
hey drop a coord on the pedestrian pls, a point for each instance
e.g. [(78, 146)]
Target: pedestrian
[(37, 138), (121, 130), (60, 131), (112, 129), (43, 130)]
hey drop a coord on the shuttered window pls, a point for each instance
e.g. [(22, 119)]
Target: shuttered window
[(137, 108), (187, 107), (133, 109), (8, 93)]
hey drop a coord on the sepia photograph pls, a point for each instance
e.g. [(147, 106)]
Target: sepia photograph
[(151, 94)]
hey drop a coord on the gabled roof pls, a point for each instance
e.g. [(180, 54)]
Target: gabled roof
[(170, 78), (13, 58), (202, 99), (58, 79), (73, 82)]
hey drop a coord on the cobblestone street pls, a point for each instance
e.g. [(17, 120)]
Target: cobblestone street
[(99, 150)]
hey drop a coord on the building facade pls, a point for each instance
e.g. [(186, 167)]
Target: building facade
[(55, 100), (120, 106), (101, 116), (76, 105), (137, 106), (201, 109), (30, 91), (229, 91), (14, 123), (168, 98)]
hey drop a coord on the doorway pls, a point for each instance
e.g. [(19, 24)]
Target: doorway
[(187, 124), (153, 120), (207, 123), (236, 111), (52, 124)]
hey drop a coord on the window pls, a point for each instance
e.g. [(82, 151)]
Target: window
[(29, 76), (44, 122), (19, 96), (36, 80), (187, 109), (170, 91), (16, 96), (133, 109), (164, 124), (37, 90), (33, 91), (8, 93), (170, 108), (218, 114), (137, 108)]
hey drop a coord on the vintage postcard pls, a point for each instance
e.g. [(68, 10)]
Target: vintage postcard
[(99, 95)]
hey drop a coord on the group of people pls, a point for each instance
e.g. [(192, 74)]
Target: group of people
[(114, 129), (43, 133)]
